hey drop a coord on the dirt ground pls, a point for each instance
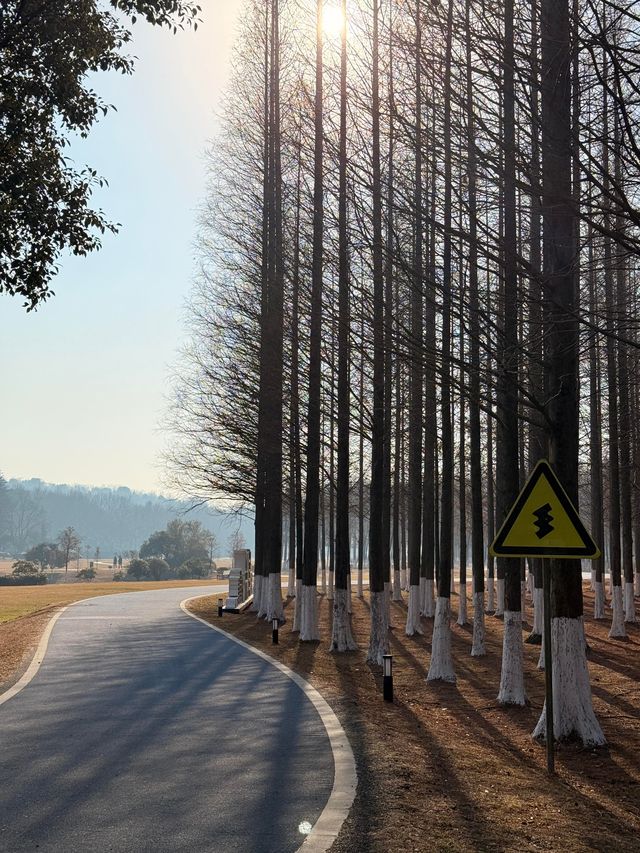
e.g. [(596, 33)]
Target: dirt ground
[(444, 768)]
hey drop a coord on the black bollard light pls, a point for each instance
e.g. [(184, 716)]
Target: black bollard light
[(274, 632), (220, 607), (387, 678)]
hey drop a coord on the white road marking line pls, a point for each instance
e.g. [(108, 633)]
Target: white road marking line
[(345, 779)]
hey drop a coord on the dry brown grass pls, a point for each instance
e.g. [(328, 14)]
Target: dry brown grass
[(445, 768), (19, 601)]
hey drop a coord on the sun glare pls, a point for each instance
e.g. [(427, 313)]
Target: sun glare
[(332, 20)]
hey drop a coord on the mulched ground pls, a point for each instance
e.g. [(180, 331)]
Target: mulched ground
[(445, 768)]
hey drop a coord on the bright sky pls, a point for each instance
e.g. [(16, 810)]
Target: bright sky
[(84, 379)]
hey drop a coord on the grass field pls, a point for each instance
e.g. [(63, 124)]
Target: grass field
[(18, 601)]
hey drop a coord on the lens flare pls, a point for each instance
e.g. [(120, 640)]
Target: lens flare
[(332, 20)]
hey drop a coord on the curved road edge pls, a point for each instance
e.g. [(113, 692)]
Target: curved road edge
[(41, 650), (345, 779), (38, 657)]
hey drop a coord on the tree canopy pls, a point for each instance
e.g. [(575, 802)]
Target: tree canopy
[(48, 49), (179, 542)]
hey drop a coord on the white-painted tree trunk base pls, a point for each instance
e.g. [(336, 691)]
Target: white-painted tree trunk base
[(387, 604), (478, 648), (598, 601), (341, 636), (531, 584), (331, 586), (323, 582), (349, 596), (491, 596), (500, 601), (593, 579), (538, 614), (379, 636), (617, 615), (428, 606), (413, 625), (296, 607), (441, 665), (629, 603), (309, 614), (541, 666), (291, 585), (453, 583), (512, 674), (397, 588), (257, 594), (573, 713), (462, 604), (275, 609), (263, 597), (403, 579), (360, 583)]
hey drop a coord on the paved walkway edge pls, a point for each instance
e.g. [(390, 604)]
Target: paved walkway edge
[(43, 644), (38, 657), (345, 780)]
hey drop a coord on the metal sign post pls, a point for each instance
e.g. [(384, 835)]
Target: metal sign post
[(548, 664), (544, 523)]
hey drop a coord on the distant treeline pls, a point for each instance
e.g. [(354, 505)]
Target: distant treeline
[(115, 520)]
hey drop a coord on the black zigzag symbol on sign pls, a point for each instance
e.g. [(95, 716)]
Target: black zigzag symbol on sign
[(543, 522)]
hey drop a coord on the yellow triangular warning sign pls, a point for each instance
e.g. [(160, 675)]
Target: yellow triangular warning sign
[(543, 522)]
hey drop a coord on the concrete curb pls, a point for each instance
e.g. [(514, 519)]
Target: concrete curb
[(345, 779)]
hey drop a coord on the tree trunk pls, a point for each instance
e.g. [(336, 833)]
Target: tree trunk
[(595, 443), (415, 352), (441, 666), (259, 586), (615, 556), (430, 486), (341, 637), (309, 610), (388, 331), (572, 707), (507, 473), (537, 433), (378, 641), (478, 648)]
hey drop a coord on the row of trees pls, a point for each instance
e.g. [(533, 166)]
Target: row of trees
[(418, 277)]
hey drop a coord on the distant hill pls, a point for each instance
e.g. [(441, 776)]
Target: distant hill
[(114, 519)]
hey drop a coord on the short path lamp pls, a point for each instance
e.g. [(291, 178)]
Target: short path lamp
[(274, 631), (387, 678), (220, 611)]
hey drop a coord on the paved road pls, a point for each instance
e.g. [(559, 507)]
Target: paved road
[(144, 730)]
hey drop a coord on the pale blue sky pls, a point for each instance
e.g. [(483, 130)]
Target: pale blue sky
[(83, 380)]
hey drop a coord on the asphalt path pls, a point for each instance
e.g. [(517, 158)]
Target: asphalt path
[(144, 730)]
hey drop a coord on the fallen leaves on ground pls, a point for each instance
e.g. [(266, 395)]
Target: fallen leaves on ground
[(445, 768)]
